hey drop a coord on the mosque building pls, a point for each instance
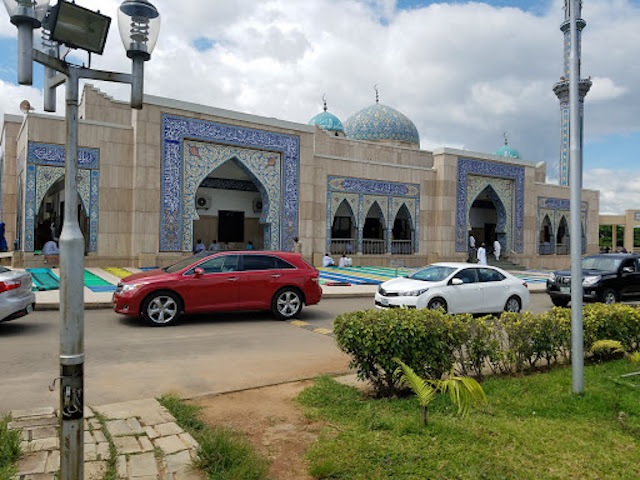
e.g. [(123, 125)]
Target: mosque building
[(154, 181)]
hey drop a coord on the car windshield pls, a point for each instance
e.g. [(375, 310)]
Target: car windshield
[(601, 263), (185, 263), (432, 273)]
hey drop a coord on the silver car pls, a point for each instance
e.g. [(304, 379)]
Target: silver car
[(16, 294)]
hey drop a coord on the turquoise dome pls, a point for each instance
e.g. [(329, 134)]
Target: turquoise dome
[(327, 121), (507, 151), (381, 123)]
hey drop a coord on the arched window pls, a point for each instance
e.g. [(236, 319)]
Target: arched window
[(545, 246), (402, 241), (373, 231), (343, 230)]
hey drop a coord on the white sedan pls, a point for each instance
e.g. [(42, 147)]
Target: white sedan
[(456, 288)]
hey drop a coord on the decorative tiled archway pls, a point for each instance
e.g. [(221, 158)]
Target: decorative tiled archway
[(264, 168), (174, 225), (500, 193), (467, 167), (45, 165)]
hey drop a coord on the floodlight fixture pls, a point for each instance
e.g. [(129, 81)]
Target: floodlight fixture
[(79, 27)]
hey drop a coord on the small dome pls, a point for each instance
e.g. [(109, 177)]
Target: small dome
[(381, 123), (507, 151), (327, 121)]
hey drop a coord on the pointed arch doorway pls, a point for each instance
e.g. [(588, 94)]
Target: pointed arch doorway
[(229, 205), (488, 219)]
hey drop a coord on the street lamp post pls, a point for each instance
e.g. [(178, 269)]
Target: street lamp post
[(77, 27)]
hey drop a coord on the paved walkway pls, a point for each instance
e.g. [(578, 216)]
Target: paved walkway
[(141, 437)]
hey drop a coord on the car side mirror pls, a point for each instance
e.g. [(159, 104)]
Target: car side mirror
[(199, 271), (456, 281)]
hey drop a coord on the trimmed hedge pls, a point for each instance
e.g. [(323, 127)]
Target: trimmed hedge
[(431, 342)]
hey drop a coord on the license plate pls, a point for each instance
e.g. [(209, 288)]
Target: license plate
[(565, 290), (384, 302)]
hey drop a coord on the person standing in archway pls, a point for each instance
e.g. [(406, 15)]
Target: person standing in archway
[(472, 248), (482, 255), (496, 249)]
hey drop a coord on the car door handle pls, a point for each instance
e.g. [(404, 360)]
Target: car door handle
[(233, 279), (275, 275)]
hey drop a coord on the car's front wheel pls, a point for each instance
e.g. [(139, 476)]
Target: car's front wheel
[(609, 296), (559, 302), (513, 305), (161, 309), (286, 303), (437, 303)]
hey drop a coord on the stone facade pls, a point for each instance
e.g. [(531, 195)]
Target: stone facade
[(153, 181)]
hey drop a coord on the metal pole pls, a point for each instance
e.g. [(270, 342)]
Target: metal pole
[(71, 303), (25, 46), (575, 174)]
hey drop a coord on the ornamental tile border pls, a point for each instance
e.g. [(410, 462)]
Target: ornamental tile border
[(363, 192), (556, 208), (45, 165), (468, 166), (265, 168), (177, 129)]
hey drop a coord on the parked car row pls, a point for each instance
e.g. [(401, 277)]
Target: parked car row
[(283, 283)]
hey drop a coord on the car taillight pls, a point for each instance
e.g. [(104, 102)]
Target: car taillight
[(525, 285), (9, 285)]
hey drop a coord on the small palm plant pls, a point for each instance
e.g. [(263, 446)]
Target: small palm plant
[(464, 392)]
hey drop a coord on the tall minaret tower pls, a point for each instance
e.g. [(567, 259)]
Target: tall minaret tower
[(561, 89)]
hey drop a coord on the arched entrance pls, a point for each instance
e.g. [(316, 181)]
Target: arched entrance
[(261, 169), (488, 219), (229, 205), (373, 241), (343, 230), (50, 217), (545, 246), (402, 232), (562, 237)]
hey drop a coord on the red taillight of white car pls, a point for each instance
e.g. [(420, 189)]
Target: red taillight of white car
[(9, 285), (525, 285)]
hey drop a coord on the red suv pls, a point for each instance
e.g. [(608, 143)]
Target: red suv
[(207, 282)]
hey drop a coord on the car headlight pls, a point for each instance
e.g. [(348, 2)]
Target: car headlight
[(590, 280), (552, 277), (131, 286), (413, 293)]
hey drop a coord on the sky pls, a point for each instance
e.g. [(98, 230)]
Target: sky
[(464, 71)]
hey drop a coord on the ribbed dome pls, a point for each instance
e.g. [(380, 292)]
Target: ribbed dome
[(507, 151), (327, 121), (381, 123)]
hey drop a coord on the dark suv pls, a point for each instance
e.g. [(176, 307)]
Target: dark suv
[(606, 278)]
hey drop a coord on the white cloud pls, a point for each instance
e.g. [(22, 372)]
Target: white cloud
[(464, 72), (619, 190)]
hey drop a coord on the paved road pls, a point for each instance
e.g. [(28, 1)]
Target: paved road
[(126, 360)]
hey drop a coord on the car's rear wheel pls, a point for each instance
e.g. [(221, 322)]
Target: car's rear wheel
[(161, 309), (513, 305), (437, 303), (559, 302), (609, 296), (287, 303)]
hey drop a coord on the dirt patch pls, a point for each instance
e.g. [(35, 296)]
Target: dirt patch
[(271, 421)]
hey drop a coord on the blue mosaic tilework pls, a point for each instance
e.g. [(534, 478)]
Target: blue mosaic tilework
[(45, 166), (176, 129), (380, 122), (264, 167), (361, 193), (327, 121), (468, 166), (556, 210)]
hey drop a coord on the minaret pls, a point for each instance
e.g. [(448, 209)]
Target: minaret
[(561, 89)]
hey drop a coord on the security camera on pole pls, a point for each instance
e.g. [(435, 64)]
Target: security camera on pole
[(77, 28)]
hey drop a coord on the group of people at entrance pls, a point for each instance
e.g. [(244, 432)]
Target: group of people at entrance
[(479, 255), (214, 246)]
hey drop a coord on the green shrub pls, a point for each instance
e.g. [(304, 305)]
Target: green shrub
[(431, 342), (9, 449), (374, 338)]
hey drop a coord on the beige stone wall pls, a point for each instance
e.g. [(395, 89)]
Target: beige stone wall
[(441, 219), (98, 106), (9, 138)]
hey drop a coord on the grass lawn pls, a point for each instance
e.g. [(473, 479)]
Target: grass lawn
[(533, 428)]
